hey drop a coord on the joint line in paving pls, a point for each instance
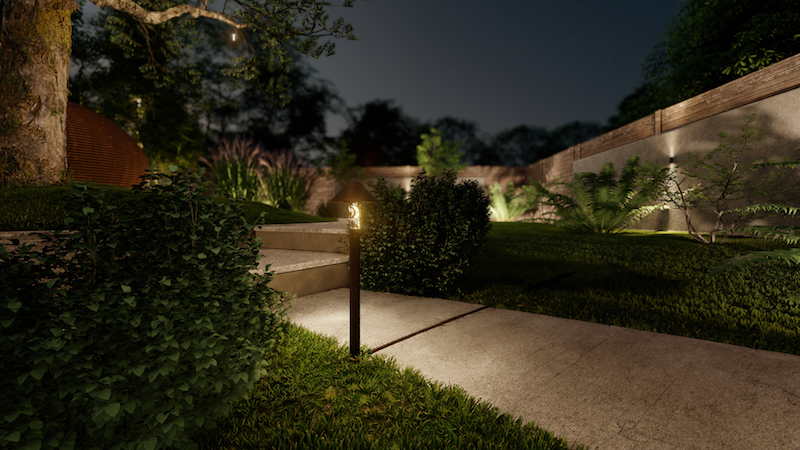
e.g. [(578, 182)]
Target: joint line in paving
[(375, 350)]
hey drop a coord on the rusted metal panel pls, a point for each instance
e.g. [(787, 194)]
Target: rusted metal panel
[(98, 150)]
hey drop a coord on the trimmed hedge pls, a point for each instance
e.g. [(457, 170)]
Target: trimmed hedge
[(140, 327), (421, 245)]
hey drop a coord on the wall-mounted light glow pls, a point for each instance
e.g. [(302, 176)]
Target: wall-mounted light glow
[(233, 36)]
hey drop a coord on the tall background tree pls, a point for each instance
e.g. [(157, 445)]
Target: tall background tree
[(35, 43), (710, 43), (381, 134), (177, 122)]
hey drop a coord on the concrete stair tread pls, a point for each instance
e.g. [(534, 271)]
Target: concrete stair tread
[(338, 227), (283, 261)]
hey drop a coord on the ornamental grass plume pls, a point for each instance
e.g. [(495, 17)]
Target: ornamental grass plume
[(282, 180), (235, 166)]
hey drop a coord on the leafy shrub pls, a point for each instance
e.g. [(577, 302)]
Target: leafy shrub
[(600, 202), (506, 206), (331, 210), (141, 326), (420, 244)]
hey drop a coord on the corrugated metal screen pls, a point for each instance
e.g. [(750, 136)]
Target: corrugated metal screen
[(98, 150)]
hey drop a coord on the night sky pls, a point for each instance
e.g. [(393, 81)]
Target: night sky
[(498, 63)]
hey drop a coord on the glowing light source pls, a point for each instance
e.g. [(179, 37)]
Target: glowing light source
[(354, 193), (233, 36), (355, 216)]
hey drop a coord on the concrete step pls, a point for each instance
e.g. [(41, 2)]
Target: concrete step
[(306, 258), (305, 272), (328, 237)]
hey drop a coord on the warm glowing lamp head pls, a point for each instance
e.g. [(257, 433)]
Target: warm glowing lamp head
[(354, 193)]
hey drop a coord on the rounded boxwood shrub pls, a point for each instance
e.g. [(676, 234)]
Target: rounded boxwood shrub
[(421, 243), (140, 327)]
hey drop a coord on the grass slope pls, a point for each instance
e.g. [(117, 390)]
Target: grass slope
[(648, 281), (44, 207), (315, 397)]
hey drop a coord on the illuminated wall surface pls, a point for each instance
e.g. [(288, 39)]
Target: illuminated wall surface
[(100, 151)]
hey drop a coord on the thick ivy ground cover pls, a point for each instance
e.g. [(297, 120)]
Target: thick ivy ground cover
[(649, 281), (141, 326)]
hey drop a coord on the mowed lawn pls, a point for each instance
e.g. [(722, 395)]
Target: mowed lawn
[(648, 281)]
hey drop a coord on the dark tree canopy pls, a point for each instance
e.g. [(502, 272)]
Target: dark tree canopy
[(472, 143), (178, 118), (162, 115), (526, 144), (710, 43), (36, 43), (381, 134), (564, 136), (516, 146)]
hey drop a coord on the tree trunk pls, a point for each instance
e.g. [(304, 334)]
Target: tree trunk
[(35, 43)]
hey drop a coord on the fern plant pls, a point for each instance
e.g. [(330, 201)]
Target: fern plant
[(788, 234), (600, 202), (506, 206)]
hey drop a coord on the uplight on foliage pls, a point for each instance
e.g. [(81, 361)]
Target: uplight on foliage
[(601, 202), (136, 328), (282, 183), (235, 166), (506, 206)]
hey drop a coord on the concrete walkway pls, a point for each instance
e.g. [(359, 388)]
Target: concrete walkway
[(602, 386)]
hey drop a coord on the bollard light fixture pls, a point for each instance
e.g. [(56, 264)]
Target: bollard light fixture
[(354, 193)]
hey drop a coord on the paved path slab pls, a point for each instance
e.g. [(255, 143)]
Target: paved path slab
[(603, 386), (384, 317)]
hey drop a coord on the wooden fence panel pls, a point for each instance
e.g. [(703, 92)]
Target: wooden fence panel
[(631, 132), (779, 77)]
